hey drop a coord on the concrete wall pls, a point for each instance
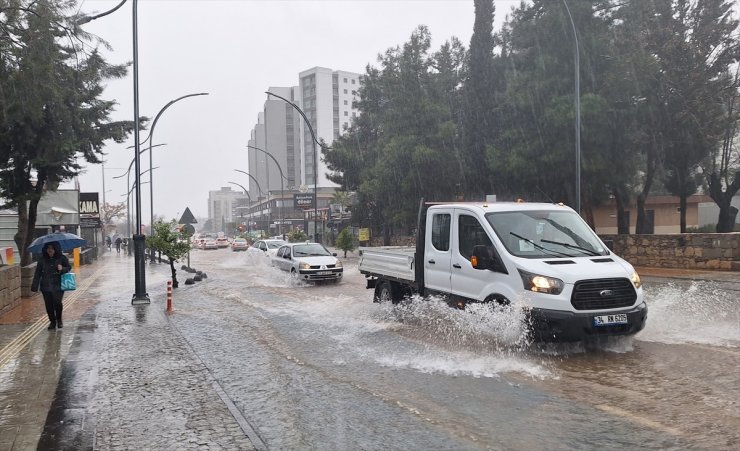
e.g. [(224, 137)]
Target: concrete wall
[(10, 287), (690, 251)]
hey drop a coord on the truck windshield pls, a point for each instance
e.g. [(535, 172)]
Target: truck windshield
[(545, 234)]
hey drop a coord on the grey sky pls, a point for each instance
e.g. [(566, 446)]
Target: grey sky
[(235, 50)]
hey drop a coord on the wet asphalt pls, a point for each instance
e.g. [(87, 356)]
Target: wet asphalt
[(122, 377)]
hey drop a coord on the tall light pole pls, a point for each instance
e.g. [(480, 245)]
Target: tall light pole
[(151, 139), (578, 110), (249, 207), (282, 191), (260, 192), (315, 162), (140, 295)]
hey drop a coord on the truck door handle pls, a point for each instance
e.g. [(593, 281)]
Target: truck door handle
[(456, 266), (432, 261)]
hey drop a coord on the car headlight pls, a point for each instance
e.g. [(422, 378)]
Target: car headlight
[(541, 284), (338, 265), (304, 266), (635, 278)]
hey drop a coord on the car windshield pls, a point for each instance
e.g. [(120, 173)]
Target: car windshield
[(313, 249), (274, 244), (545, 234)]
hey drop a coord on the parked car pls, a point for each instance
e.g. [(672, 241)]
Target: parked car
[(222, 242), (239, 244), (266, 247), (308, 261)]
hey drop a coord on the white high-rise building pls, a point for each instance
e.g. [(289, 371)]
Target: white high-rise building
[(326, 99)]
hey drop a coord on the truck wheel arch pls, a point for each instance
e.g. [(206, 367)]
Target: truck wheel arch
[(498, 299)]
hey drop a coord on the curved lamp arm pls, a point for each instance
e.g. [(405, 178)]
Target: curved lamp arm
[(242, 187), (250, 176)]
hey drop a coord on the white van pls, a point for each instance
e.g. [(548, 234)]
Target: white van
[(543, 255)]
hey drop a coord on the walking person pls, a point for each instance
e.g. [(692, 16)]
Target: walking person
[(48, 277), (118, 244), (108, 243)]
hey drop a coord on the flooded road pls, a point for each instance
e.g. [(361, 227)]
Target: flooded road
[(323, 367)]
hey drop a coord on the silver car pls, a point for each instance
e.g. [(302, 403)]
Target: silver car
[(308, 261), (267, 248)]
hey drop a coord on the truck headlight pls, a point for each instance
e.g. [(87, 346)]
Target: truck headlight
[(304, 266), (541, 284), (635, 278)]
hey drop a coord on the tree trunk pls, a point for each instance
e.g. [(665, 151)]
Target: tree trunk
[(386, 235), (682, 205), (623, 225), (641, 226), (726, 221), (723, 199), (26, 226), (174, 274)]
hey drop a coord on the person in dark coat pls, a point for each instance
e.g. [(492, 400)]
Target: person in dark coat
[(48, 277), (118, 244)]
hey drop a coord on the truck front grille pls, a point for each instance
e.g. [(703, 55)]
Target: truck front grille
[(600, 294)]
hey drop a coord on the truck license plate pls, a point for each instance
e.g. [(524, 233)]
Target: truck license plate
[(609, 320)]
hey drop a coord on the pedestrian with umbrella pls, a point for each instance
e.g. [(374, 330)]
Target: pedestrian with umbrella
[(49, 269)]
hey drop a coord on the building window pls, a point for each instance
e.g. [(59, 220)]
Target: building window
[(345, 79), (345, 102), (345, 91), (346, 114), (353, 81)]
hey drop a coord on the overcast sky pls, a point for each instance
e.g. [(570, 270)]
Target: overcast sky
[(235, 50)]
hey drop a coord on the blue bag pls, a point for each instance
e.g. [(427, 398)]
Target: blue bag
[(68, 281)]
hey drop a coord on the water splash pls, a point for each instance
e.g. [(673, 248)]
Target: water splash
[(701, 313)]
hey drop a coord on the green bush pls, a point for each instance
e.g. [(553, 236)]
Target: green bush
[(297, 235), (346, 241)]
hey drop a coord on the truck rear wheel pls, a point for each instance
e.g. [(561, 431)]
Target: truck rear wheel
[(385, 292)]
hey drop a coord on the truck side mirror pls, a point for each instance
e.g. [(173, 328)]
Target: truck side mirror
[(486, 257)]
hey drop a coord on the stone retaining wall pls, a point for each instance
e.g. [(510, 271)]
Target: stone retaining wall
[(10, 287), (688, 250), (719, 251)]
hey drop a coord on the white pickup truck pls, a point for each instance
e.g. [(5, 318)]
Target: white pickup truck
[(543, 256)]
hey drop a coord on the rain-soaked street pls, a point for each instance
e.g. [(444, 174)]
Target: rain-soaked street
[(323, 367)]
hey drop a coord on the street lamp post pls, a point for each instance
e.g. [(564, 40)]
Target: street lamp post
[(260, 191), (315, 162), (140, 295), (249, 207), (282, 191), (578, 111), (151, 139)]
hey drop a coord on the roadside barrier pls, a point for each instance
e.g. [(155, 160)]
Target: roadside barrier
[(169, 295)]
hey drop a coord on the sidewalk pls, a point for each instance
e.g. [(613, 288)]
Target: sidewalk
[(116, 377)]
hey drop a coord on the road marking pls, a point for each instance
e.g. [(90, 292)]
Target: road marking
[(12, 349), (633, 417)]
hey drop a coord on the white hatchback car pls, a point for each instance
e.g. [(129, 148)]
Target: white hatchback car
[(266, 247), (308, 261)]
